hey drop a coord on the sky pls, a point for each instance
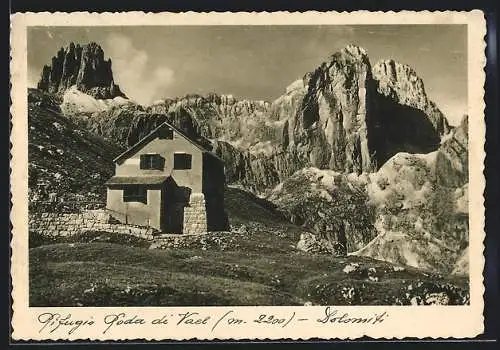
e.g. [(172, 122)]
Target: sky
[(258, 62)]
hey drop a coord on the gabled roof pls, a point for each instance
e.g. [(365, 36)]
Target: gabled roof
[(153, 134)]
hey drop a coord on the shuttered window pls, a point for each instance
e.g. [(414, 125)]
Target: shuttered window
[(135, 193), (151, 161), (182, 161)]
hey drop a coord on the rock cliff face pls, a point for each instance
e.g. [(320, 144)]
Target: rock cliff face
[(421, 203), (326, 203), (412, 211), (244, 123), (349, 117), (402, 84), (83, 66), (455, 154), (332, 124), (345, 116), (404, 119)]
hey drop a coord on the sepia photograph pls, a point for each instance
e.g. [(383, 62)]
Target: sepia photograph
[(248, 165), (243, 176)]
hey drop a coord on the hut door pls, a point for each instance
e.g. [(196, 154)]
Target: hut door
[(173, 211)]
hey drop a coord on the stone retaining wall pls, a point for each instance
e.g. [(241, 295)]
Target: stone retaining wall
[(57, 224), (195, 215), (219, 241)]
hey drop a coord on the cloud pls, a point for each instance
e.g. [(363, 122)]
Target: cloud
[(163, 77), (138, 78)]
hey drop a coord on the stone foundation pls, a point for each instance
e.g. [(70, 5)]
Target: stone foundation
[(57, 224), (195, 215)]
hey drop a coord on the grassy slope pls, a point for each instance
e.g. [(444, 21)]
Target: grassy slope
[(64, 159), (252, 266)]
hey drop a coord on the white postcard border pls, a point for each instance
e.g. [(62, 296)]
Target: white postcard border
[(396, 321)]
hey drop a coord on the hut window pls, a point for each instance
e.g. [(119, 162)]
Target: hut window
[(166, 134), (135, 194), (151, 161), (182, 161)]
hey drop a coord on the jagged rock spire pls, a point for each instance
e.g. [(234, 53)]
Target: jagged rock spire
[(83, 66)]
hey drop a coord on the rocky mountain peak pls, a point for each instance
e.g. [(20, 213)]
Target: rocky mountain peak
[(332, 117), (349, 55), (401, 83), (82, 66), (344, 116), (355, 51), (395, 69)]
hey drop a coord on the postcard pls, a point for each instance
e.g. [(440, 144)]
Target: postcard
[(180, 176)]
